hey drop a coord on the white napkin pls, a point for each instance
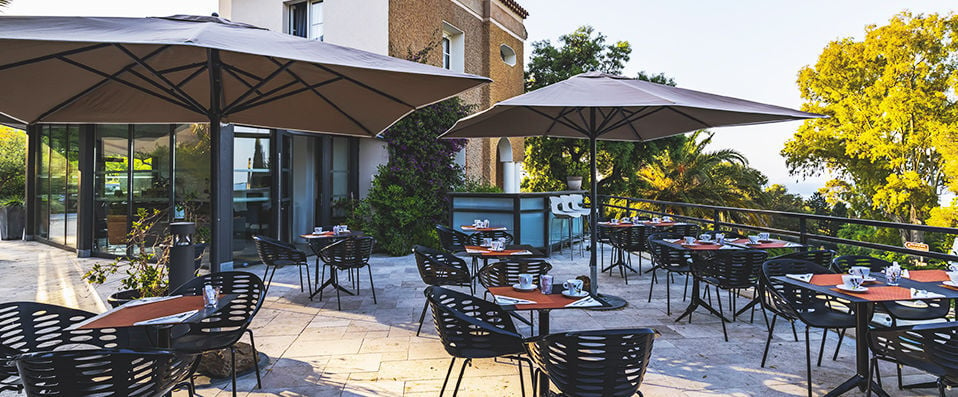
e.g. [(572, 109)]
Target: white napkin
[(800, 277), (475, 251), (505, 300), (523, 252), (673, 241), (922, 294), (585, 302), (155, 299), (905, 274), (171, 319)]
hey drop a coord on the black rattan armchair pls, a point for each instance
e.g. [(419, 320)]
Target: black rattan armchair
[(799, 304), (822, 258), (276, 254), (731, 270), (440, 268), (603, 363), (685, 229), (470, 327), (932, 348), (841, 264), (452, 240), (506, 273), (350, 254), (664, 257), (476, 238), (106, 372), (223, 329), (628, 240)]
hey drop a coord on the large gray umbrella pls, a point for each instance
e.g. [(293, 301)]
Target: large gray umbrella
[(598, 106), (184, 69)]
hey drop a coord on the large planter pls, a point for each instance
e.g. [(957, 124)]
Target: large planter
[(574, 182), (198, 250), (120, 298), (12, 219)]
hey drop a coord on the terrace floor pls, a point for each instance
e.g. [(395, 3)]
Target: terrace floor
[(371, 349)]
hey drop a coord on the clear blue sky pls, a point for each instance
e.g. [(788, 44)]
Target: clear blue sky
[(750, 49)]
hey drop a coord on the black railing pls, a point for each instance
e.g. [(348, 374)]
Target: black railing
[(803, 233)]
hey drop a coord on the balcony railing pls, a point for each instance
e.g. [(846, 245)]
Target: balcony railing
[(764, 221)]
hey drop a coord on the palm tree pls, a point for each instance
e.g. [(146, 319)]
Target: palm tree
[(4, 3), (689, 173)]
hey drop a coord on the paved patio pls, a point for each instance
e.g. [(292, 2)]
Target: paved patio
[(371, 349)]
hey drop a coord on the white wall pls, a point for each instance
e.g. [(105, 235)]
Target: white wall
[(372, 153), (362, 24), (269, 14)]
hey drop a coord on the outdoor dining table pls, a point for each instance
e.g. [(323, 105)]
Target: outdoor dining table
[(544, 304), (878, 291), (698, 248), (470, 228), (331, 237), (761, 245)]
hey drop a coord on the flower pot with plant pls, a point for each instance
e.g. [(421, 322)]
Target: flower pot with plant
[(145, 268), (575, 173), (12, 218)]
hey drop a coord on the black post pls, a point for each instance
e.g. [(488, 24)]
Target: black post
[(182, 266), (221, 173), (594, 205), (30, 181), (803, 232), (86, 206)]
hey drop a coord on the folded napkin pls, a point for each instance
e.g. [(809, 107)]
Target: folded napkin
[(922, 294), (800, 277), (171, 319), (505, 300), (476, 251), (585, 302), (150, 300)]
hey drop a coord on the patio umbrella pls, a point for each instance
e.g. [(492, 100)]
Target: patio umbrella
[(599, 106)]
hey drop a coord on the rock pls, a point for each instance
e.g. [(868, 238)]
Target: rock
[(216, 364)]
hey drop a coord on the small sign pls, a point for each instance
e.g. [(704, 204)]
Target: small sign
[(916, 246)]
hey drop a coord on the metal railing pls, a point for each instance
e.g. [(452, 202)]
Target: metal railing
[(803, 234)]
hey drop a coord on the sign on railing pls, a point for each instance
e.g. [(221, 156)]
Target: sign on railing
[(916, 246)]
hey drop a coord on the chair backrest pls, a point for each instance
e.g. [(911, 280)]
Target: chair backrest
[(932, 348), (350, 253), (665, 255), (782, 298), (451, 239), (821, 257), (277, 253), (631, 239), (729, 235), (106, 372), (685, 229), (845, 262), (577, 201), (732, 268), (506, 273), (238, 313), (607, 363), (558, 206), (440, 268), (476, 238), (470, 327)]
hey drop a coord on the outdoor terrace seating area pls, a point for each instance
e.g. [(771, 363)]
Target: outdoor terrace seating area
[(354, 346)]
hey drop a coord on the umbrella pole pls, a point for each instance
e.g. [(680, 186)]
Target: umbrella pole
[(613, 302)]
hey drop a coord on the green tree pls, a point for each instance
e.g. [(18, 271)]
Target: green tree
[(891, 106), (548, 161), (13, 152)]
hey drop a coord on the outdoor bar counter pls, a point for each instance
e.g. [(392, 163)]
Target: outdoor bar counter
[(528, 216)]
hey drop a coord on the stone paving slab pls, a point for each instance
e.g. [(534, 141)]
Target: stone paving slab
[(370, 349)]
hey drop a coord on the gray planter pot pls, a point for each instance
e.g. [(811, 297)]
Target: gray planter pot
[(12, 220), (574, 182)]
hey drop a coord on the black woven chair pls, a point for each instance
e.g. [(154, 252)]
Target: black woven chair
[(731, 270), (438, 268), (822, 258), (476, 238), (451, 240), (930, 309), (603, 363), (349, 254), (628, 240), (799, 304), (223, 329), (672, 261), (685, 229), (104, 372), (470, 327), (932, 348), (506, 273), (28, 327), (276, 254)]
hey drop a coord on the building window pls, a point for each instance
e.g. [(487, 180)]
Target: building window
[(507, 54), (306, 19), (453, 48)]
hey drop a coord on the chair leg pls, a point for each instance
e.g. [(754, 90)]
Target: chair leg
[(718, 294), (941, 388), (252, 344), (233, 368), (334, 273), (901, 385), (422, 317), (448, 372), (309, 283), (371, 286), (685, 292), (461, 372), (821, 349), (871, 372), (808, 361), (794, 333), (522, 382), (841, 337), (652, 284), (300, 271), (668, 294), (768, 341)]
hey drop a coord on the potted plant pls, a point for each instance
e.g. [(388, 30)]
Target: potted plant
[(12, 218), (145, 267), (191, 210), (574, 175)]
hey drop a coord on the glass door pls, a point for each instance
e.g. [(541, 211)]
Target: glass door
[(252, 191)]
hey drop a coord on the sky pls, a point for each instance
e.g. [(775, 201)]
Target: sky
[(750, 49)]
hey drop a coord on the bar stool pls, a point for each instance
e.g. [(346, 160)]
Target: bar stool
[(562, 215), (574, 204)]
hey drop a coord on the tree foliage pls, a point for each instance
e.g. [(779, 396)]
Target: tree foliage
[(13, 152), (890, 139)]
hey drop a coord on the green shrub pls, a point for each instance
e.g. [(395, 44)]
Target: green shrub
[(473, 185)]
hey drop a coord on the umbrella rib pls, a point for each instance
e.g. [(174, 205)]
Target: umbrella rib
[(364, 85), (564, 111), (688, 116), (126, 83), (554, 119), (268, 93), (584, 121), (606, 118), (192, 76), (338, 109), (53, 56), (252, 104), (173, 87), (182, 67), (258, 85), (631, 118)]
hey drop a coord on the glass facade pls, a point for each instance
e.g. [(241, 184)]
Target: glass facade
[(58, 179), (252, 191)]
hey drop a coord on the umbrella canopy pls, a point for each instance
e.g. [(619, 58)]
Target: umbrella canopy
[(197, 69), (599, 106)]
